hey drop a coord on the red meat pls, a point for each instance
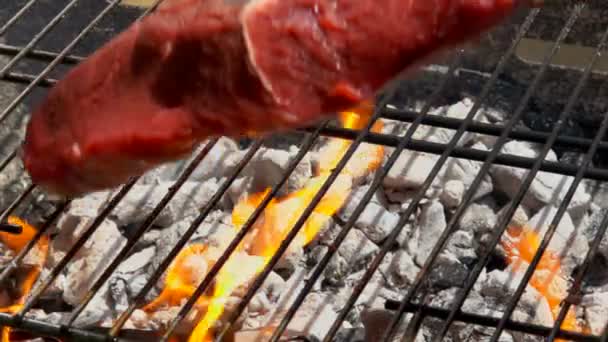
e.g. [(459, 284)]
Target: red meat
[(201, 68)]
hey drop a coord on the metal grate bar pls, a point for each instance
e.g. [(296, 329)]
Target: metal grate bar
[(357, 212), (561, 210), (469, 153), (38, 37), (243, 231), (143, 228), (259, 280), (82, 239), (16, 17), (489, 321), (491, 129), (140, 297), (502, 225)]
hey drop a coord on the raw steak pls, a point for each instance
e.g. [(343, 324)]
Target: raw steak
[(201, 68)]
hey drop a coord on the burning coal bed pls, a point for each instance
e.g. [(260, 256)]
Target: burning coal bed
[(539, 304)]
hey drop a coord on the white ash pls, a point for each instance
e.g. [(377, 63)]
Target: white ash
[(547, 188)]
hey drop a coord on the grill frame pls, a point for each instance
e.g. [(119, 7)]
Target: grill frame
[(406, 142)]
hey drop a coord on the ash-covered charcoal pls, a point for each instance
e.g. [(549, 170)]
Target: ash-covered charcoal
[(118, 292), (452, 193), (596, 311), (354, 253), (478, 218), (463, 246), (407, 172), (475, 304), (266, 169), (220, 160), (375, 220), (499, 287), (466, 171), (90, 261), (448, 271), (547, 188), (141, 200), (399, 269), (130, 277), (431, 224), (375, 293), (591, 229), (100, 309), (313, 318)]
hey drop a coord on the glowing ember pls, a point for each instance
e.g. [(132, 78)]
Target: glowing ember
[(547, 279), (270, 229), (187, 270), (281, 215), (16, 242), (237, 271)]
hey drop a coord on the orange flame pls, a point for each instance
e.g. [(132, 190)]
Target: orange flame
[(547, 278), (184, 274), (16, 242), (271, 228)]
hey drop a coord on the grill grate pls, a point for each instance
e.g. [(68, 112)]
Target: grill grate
[(413, 300)]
